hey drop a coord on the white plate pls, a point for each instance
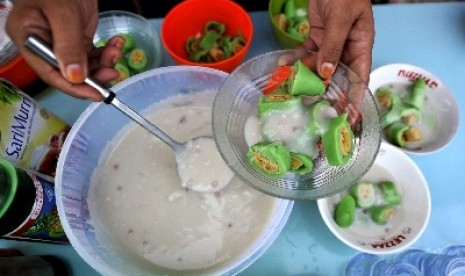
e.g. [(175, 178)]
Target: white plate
[(440, 115), (411, 216)]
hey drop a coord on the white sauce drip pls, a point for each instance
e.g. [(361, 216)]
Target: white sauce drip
[(201, 167)]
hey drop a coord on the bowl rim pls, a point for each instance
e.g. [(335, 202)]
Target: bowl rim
[(108, 13), (209, 64)]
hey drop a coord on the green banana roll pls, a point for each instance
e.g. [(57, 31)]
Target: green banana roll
[(344, 213), (272, 159), (338, 141)]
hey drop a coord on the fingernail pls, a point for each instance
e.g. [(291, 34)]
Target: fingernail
[(116, 59), (119, 42), (327, 69), (74, 72)]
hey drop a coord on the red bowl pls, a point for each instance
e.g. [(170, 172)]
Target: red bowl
[(189, 18), (18, 72)]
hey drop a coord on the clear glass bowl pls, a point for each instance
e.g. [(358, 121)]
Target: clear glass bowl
[(115, 22), (236, 101)]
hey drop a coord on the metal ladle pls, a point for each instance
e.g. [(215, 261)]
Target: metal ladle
[(187, 155)]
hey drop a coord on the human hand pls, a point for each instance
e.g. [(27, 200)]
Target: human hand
[(343, 30), (68, 26)]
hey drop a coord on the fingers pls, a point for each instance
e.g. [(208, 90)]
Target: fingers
[(111, 53), (67, 25), (71, 25), (342, 30), (337, 25)]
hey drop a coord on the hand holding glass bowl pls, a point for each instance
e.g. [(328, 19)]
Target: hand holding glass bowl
[(236, 102)]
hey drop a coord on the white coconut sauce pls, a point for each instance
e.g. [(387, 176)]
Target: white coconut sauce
[(137, 198), (201, 167), (290, 127)]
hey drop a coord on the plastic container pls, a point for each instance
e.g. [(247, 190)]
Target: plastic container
[(27, 206), (188, 18), (90, 137), (364, 264), (31, 137), (432, 263), (454, 250)]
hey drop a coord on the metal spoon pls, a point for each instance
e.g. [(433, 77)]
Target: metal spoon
[(191, 157)]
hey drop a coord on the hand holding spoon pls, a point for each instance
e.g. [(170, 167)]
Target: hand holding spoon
[(193, 158)]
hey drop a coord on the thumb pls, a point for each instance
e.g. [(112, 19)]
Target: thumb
[(337, 28), (67, 27)]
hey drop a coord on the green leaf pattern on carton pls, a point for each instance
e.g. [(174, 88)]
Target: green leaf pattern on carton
[(8, 93)]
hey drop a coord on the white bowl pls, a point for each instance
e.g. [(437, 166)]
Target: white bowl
[(440, 117), (410, 219), (91, 138)]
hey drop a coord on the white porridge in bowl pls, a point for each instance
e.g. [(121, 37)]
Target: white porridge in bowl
[(137, 201)]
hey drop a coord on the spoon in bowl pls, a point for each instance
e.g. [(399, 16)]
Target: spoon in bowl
[(199, 164)]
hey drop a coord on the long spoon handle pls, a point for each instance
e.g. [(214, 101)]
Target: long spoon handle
[(40, 48)]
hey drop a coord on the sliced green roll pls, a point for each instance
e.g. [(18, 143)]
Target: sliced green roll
[(395, 133), (277, 102), (129, 42), (391, 115), (364, 194), (338, 141), (390, 194), (290, 9), (123, 71), (208, 40), (215, 26), (381, 214), (138, 60), (301, 163), (402, 134), (416, 95), (344, 213), (410, 115), (272, 159), (320, 114), (386, 98), (304, 81)]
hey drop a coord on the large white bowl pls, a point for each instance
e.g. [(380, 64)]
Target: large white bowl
[(411, 217), (91, 135)]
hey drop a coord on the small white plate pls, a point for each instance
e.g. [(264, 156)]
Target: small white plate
[(410, 219), (440, 118)]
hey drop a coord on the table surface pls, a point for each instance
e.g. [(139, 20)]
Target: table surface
[(428, 35)]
